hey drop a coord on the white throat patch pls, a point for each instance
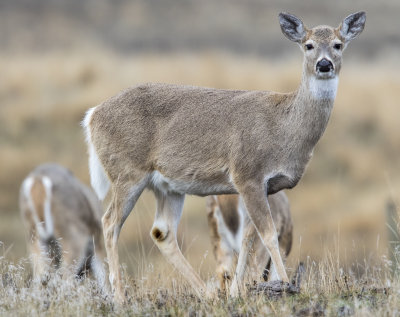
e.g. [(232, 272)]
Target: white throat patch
[(323, 88)]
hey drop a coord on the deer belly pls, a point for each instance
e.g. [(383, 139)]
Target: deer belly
[(167, 185)]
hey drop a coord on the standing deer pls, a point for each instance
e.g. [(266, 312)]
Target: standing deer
[(227, 219), (178, 140), (63, 219)]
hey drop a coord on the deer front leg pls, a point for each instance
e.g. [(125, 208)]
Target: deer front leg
[(255, 199), (163, 233)]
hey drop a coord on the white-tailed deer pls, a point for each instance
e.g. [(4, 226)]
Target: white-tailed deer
[(227, 220), (63, 219), (178, 140)]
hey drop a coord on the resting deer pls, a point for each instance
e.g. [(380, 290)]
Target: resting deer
[(227, 220), (63, 219), (178, 140)]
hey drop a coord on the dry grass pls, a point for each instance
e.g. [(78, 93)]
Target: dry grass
[(326, 289)]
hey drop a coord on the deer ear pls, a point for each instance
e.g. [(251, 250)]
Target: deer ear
[(352, 26), (292, 27)]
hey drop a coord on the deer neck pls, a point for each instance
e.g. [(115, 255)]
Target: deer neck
[(313, 103), (318, 91)]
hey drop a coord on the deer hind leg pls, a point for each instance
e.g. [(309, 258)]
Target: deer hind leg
[(93, 261), (123, 200), (84, 265), (40, 263), (163, 233), (98, 260), (259, 212), (94, 256)]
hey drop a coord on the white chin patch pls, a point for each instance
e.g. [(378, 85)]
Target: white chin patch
[(323, 88)]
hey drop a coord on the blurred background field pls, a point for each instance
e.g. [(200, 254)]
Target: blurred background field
[(58, 58)]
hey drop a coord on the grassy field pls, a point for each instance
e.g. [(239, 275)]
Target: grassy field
[(338, 207), (326, 290), (59, 58)]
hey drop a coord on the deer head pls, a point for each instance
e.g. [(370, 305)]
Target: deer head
[(322, 45)]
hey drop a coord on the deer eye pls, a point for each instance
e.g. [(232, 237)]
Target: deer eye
[(337, 46), (309, 47)]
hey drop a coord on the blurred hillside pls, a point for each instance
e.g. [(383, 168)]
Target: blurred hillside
[(60, 57), (245, 27)]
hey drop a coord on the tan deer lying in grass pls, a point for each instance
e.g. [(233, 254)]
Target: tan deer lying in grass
[(63, 219), (178, 140), (228, 221)]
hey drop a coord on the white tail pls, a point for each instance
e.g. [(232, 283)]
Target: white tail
[(44, 228), (98, 178)]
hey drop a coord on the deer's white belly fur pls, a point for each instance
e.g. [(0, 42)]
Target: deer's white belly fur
[(193, 187)]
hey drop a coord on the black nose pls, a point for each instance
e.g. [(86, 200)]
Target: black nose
[(324, 66)]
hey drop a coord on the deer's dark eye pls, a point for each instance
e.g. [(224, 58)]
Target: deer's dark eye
[(337, 46), (309, 47)]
